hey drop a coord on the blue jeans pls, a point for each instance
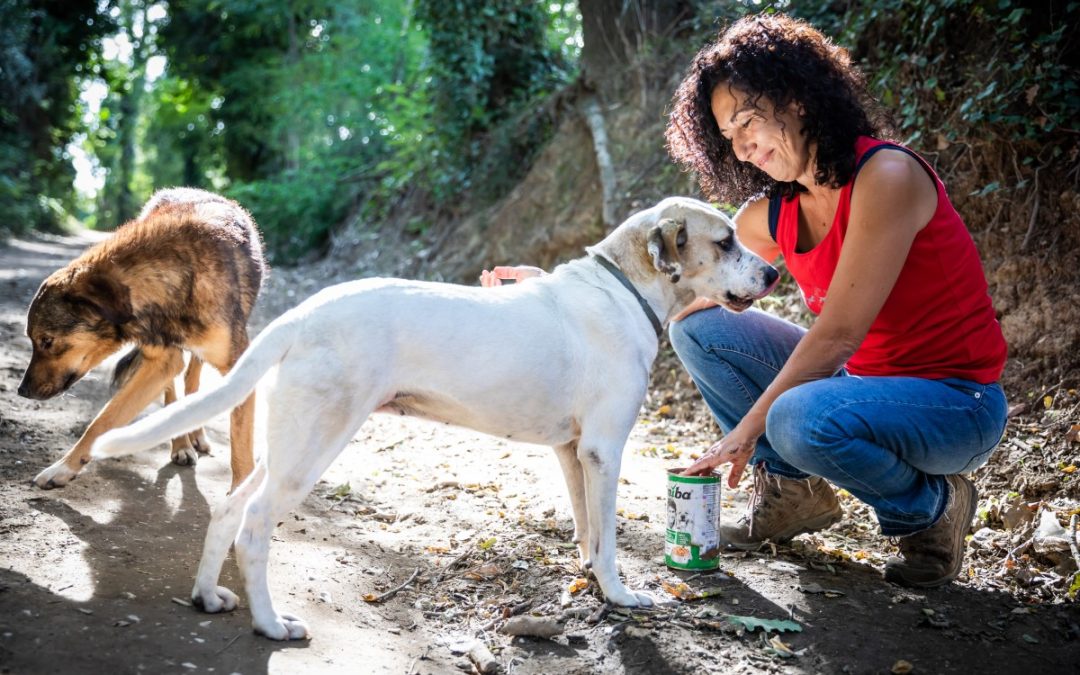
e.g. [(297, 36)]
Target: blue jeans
[(889, 441)]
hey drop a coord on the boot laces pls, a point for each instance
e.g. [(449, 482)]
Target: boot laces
[(757, 501)]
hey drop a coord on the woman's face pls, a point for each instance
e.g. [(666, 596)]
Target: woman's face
[(773, 143)]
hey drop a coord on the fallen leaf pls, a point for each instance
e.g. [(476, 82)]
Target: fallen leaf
[(781, 649), (486, 571), (684, 592), (750, 624), (816, 588), (901, 667), (342, 491), (578, 584)]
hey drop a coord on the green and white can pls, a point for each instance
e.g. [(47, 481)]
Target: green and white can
[(693, 522)]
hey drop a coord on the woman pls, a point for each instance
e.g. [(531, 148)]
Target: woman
[(892, 393)]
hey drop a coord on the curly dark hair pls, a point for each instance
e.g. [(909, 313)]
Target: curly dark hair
[(785, 61)]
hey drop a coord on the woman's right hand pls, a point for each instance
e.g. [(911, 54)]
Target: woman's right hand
[(516, 273), (695, 306)]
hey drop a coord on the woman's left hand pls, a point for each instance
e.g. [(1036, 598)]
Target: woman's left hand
[(516, 274), (736, 447)]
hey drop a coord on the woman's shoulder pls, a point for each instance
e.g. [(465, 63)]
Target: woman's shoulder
[(894, 180)]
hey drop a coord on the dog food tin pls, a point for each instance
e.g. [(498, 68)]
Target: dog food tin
[(693, 521)]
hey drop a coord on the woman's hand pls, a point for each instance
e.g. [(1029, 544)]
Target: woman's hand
[(695, 306), (736, 447), (517, 274)]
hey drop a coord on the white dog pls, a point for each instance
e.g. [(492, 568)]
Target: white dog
[(560, 360)]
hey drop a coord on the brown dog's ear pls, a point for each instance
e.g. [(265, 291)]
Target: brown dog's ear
[(104, 294), (665, 240)]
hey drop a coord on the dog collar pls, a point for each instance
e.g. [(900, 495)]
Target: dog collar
[(617, 273)]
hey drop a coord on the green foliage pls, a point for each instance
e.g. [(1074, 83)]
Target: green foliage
[(116, 135), (294, 209), (304, 110), (964, 71), (44, 46), (487, 58), (182, 142), (286, 105)]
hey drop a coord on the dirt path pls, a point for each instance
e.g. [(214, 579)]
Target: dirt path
[(95, 577)]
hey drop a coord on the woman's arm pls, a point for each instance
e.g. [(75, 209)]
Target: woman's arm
[(752, 229), (518, 273), (894, 199)]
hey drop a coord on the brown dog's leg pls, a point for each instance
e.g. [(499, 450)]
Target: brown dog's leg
[(242, 427), (181, 451), (159, 366), (223, 351), (241, 437), (191, 385)]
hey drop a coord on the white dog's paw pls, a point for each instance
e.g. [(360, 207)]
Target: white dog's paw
[(220, 599), (184, 455), (627, 598), (283, 627), (57, 475)]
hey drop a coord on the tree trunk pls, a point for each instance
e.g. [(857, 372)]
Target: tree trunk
[(130, 103), (595, 119)]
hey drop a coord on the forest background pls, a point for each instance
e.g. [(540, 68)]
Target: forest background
[(431, 139)]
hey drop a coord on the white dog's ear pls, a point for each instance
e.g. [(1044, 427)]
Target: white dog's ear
[(665, 240)]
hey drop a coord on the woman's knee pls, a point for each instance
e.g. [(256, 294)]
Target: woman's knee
[(789, 427), (686, 340)]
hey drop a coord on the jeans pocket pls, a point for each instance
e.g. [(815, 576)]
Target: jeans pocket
[(973, 389)]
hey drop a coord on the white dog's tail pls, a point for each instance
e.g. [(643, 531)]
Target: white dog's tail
[(266, 351)]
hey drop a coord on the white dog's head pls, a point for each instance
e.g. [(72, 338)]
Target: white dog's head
[(693, 246)]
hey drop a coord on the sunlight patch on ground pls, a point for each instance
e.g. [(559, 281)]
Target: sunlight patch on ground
[(54, 569)]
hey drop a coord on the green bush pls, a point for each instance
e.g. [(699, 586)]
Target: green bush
[(294, 210)]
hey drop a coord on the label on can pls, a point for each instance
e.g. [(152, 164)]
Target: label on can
[(693, 521)]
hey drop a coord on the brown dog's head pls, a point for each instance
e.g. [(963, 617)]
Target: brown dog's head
[(74, 322)]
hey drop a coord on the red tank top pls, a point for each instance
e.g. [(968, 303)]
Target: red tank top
[(938, 321)]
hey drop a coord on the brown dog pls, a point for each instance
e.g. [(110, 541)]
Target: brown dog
[(184, 275)]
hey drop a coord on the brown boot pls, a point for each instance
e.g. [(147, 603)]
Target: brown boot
[(934, 556), (781, 508)]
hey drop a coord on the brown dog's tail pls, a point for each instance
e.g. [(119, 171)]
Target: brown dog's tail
[(265, 352)]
